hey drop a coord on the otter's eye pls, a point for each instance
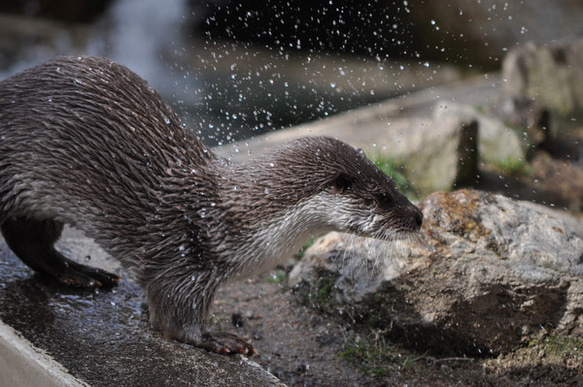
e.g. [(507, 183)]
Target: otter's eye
[(343, 181), (384, 200)]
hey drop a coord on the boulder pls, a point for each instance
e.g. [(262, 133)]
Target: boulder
[(439, 153), (550, 74), (497, 143), (445, 151), (487, 274)]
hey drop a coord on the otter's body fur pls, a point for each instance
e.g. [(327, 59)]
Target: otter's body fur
[(85, 141)]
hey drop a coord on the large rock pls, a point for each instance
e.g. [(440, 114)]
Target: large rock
[(489, 273), (496, 143), (550, 74), (446, 151), (439, 153)]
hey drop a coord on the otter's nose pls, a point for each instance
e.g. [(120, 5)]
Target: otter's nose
[(416, 219)]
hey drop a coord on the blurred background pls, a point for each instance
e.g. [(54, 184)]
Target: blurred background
[(234, 69)]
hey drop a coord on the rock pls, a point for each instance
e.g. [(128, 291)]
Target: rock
[(550, 74), (496, 144), (527, 117), (489, 273), (574, 224), (445, 152), (440, 153)]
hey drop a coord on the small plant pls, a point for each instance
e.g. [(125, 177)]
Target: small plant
[(373, 356), (277, 276), (556, 345), (514, 167), (395, 170), (302, 251), (410, 360), (370, 358), (323, 289)]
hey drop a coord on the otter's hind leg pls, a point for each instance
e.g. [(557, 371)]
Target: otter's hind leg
[(33, 242)]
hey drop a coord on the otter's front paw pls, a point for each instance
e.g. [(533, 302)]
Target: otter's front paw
[(225, 343)]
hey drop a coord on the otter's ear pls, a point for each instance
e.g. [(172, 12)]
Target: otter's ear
[(342, 182)]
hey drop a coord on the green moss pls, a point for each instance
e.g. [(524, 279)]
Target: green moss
[(322, 290), (317, 293), (278, 276), (373, 356), (555, 345), (514, 167), (302, 251), (396, 171), (410, 360), (368, 357)]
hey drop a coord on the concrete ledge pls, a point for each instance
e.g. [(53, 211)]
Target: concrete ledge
[(21, 364), (55, 336)]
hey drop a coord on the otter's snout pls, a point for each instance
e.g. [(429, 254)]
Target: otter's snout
[(416, 218), (413, 216)]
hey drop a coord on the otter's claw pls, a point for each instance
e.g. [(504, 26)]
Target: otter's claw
[(81, 276), (225, 344)]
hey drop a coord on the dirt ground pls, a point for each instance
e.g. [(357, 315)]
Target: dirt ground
[(304, 347)]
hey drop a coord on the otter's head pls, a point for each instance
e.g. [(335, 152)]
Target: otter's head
[(333, 186)]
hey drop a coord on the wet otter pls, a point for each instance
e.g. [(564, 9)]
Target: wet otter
[(87, 142)]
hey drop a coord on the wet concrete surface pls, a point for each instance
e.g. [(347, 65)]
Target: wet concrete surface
[(103, 338)]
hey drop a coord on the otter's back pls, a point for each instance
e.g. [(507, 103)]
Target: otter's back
[(88, 127)]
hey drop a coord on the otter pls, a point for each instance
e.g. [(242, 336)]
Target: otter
[(84, 141)]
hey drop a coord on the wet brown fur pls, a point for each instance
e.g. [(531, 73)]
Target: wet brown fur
[(85, 141)]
